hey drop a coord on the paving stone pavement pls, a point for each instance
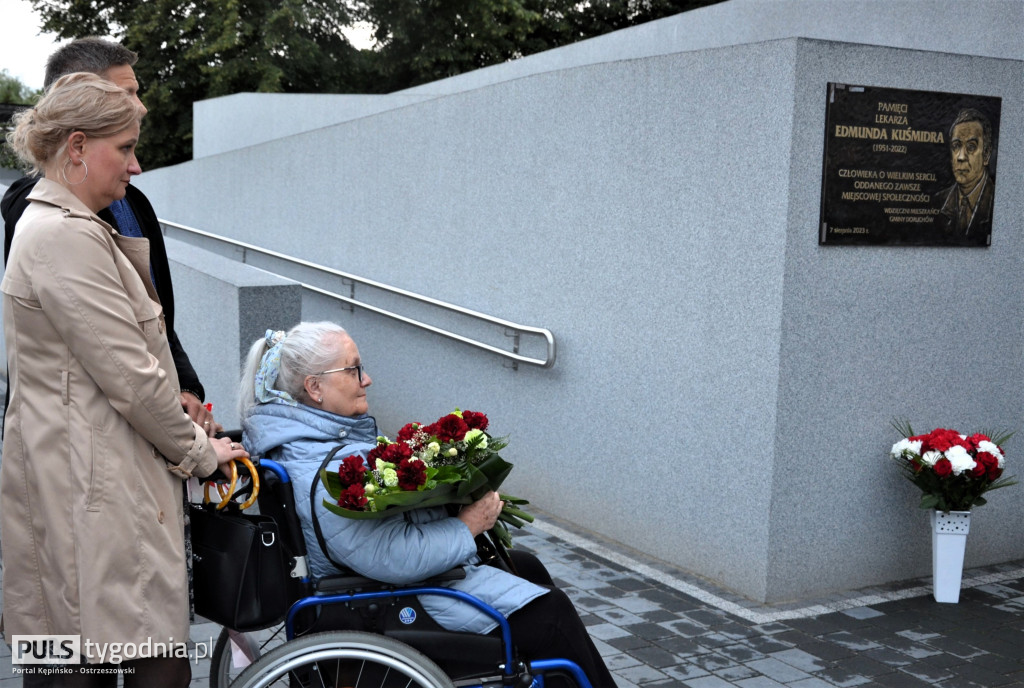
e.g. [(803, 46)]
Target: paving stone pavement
[(658, 627), (652, 634)]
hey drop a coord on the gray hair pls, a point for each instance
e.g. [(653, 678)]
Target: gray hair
[(89, 54), (306, 349)]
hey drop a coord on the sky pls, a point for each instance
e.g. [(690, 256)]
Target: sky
[(23, 51)]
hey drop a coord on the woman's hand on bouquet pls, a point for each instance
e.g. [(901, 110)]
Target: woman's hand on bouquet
[(480, 516)]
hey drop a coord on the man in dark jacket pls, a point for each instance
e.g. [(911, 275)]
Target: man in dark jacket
[(132, 216)]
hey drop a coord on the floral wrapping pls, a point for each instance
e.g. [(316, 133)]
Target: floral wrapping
[(451, 461)]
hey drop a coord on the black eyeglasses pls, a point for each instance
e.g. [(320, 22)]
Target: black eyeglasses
[(357, 368)]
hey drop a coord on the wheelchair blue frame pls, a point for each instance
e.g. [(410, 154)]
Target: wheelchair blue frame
[(508, 668)]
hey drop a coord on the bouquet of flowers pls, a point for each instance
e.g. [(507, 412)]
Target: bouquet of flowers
[(450, 461), (952, 470)]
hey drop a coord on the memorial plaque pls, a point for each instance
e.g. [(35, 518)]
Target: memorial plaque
[(908, 168)]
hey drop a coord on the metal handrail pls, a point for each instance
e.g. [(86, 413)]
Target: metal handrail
[(515, 328)]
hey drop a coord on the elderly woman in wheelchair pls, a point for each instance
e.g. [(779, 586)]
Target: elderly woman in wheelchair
[(303, 394)]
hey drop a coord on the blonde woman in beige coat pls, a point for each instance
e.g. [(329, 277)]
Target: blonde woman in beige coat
[(97, 446)]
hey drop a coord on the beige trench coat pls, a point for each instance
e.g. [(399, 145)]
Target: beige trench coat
[(96, 444)]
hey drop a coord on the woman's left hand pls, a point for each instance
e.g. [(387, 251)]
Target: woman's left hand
[(227, 451)]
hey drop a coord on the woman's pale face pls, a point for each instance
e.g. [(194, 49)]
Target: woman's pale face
[(111, 163), (343, 393)]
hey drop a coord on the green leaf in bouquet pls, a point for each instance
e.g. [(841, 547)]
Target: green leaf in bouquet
[(474, 484), (398, 502), (496, 469), (517, 514), (445, 474), (505, 517), (998, 437), (1003, 482), (902, 426), (929, 501), (332, 482), (501, 532)]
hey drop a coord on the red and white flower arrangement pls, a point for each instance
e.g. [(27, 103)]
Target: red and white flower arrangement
[(450, 461), (952, 470)]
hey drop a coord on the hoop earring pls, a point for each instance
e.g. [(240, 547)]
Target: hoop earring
[(64, 173)]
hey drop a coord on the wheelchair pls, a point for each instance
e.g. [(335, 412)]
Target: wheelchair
[(348, 631)]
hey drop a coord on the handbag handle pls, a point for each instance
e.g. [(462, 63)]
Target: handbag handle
[(228, 493), (225, 494)]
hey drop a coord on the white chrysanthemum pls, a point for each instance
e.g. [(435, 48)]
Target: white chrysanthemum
[(905, 446), (389, 476), (929, 458), (993, 449), (960, 459), (473, 434)]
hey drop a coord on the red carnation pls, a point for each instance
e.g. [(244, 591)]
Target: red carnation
[(943, 468), (408, 432), (979, 469), (411, 474), (451, 428), (976, 439), (376, 453), (988, 464), (352, 470), (475, 421), (942, 439), (353, 498), (397, 452)]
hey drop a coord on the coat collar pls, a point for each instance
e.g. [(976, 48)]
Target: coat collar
[(52, 193), (271, 425)]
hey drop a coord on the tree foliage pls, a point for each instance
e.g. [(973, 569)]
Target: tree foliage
[(195, 49), (424, 40), (14, 91), (190, 50)]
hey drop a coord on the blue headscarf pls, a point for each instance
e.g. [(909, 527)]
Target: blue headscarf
[(270, 366)]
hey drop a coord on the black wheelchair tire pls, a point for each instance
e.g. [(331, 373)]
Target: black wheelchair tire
[(372, 652)]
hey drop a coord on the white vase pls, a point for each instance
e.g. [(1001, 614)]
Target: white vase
[(949, 538)]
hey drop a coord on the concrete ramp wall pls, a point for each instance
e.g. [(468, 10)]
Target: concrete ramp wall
[(724, 384)]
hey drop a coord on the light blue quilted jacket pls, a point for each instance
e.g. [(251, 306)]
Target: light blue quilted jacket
[(399, 549)]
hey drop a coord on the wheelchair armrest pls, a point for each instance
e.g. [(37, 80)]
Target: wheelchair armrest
[(344, 582)]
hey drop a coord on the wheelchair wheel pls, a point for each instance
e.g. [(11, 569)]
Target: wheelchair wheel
[(222, 669), (345, 659)]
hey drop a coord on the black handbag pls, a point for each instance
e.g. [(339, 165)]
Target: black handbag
[(239, 576)]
